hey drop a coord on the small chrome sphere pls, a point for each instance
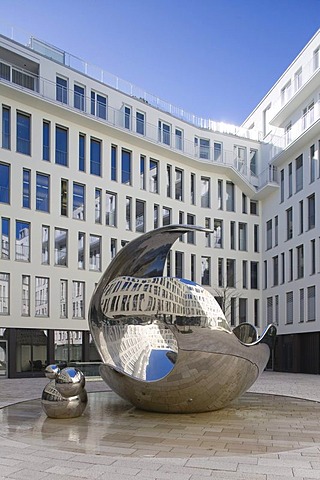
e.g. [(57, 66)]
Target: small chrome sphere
[(70, 382), (52, 371), (57, 406)]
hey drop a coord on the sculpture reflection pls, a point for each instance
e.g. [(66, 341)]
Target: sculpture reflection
[(165, 342)]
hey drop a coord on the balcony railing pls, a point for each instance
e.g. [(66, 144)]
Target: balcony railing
[(152, 133), (121, 85)]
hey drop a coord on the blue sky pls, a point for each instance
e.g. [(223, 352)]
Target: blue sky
[(214, 58)]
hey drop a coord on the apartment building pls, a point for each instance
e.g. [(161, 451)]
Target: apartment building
[(89, 161)]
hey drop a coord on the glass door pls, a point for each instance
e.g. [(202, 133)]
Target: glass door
[(3, 358)]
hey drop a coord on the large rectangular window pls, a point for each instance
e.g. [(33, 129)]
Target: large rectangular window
[(154, 176), (289, 223), (179, 258), (78, 299), (254, 275), (311, 212), (111, 209), (311, 305), (300, 261), (97, 205), (192, 189), (42, 192), (126, 167), (6, 127), (289, 302), (25, 303), (142, 172), (45, 245), (81, 250), (128, 213), (82, 152), (140, 123), (169, 181), (78, 201), (243, 310), (5, 238), (64, 197), (63, 298), (205, 192), (95, 157), (46, 140), (26, 188), (178, 184), (275, 270), (231, 272), (23, 133), (164, 131), (230, 203), (95, 253), (179, 139), (242, 236), (61, 146), (79, 98), (205, 271), (269, 234), (60, 247), (42, 297), (140, 216), (98, 105), (61, 90), (114, 169), (22, 243), (166, 216), (299, 173), (218, 233)]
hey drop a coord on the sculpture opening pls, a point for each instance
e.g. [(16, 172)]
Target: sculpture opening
[(165, 343)]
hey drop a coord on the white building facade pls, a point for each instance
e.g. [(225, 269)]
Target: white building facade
[(88, 162)]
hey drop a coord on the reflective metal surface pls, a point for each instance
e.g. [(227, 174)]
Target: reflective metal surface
[(165, 342), (65, 396)]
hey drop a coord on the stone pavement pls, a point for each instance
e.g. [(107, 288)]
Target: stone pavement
[(271, 433)]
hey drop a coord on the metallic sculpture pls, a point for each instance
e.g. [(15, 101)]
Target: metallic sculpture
[(165, 342), (65, 396)]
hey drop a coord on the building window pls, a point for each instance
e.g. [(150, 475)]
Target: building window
[(128, 213), (265, 267), (5, 238), (256, 238), (244, 274), (300, 261), (169, 181), (313, 257), (205, 192), (316, 58), (166, 216), (192, 189), (156, 216), (283, 268), (4, 293), (191, 220), (301, 216), (98, 105), (45, 245), (311, 306), (25, 304), (220, 272), (275, 270), (126, 167), (207, 224), (276, 309), (42, 297), (111, 209), (256, 312), (140, 123), (95, 253), (63, 298), (253, 162), (153, 176), (243, 308), (142, 172), (290, 265), (288, 134), (276, 230), (311, 212), (289, 301), (46, 141), (61, 146), (181, 222), (78, 299), (299, 173), (202, 148), (231, 273), (164, 133), (95, 157), (230, 204), (179, 139), (298, 79), (308, 115), (290, 180), (60, 247), (127, 117), (22, 243), (6, 127), (23, 133), (254, 275), (244, 203), (289, 223), (313, 163), (78, 97), (82, 152), (220, 194), (269, 234), (205, 271), (26, 188), (81, 250), (282, 186), (193, 268), (114, 168), (240, 154), (233, 235), (78, 202), (42, 192), (113, 247), (242, 236), (254, 210), (179, 184), (217, 152), (301, 306), (64, 197), (270, 309), (233, 307), (218, 233), (61, 90), (286, 93), (179, 257), (97, 205)]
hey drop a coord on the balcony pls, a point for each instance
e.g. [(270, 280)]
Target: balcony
[(294, 93)]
